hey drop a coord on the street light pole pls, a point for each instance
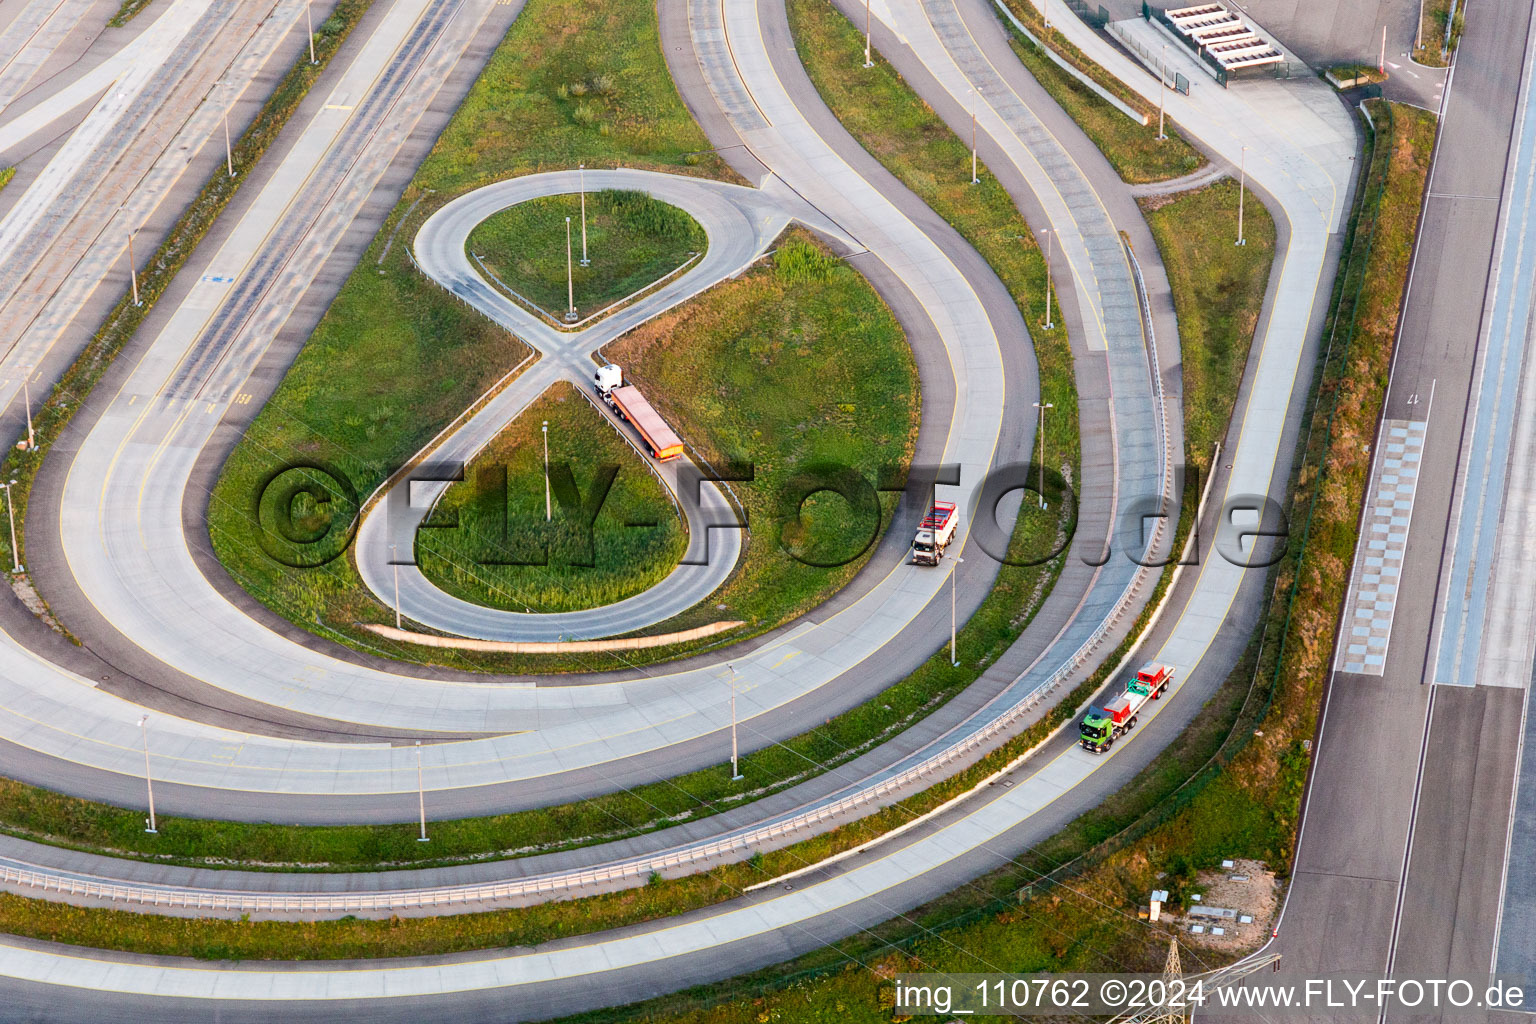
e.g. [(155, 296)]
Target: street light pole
[(582, 170), (974, 180), (1042, 408), (869, 36), (229, 153), (549, 512), (1049, 244), (10, 515), (309, 23), (1242, 188), (133, 269), (395, 564), (1381, 65), (421, 796), (149, 783), (1162, 95), (953, 623), (570, 285), (26, 398), (735, 764)]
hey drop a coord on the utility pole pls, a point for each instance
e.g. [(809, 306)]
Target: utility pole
[(549, 511), (421, 796), (735, 764), (395, 565), (869, 36), (1042, 408), (570, 286), (10, 515), (581, 169), (309, 23), (133, 269), (1162, 95), (1242, 189), (148, 782), (953, 627), (1049, 323)]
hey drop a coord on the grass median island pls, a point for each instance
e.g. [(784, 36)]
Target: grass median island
[(792, 367), (397, 358), (499, 510), (633, 240), (1132, 149), (1438, 38), (1218, 294)]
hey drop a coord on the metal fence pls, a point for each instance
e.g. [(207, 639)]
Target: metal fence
[(1214, 66), (1152, 60), (1097, 18)]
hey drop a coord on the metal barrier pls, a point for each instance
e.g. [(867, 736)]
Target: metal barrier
[(1096, 18)]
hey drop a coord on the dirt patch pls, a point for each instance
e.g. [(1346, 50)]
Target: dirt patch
[(1250, 890)]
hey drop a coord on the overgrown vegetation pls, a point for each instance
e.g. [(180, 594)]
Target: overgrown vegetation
[(125, 13), (1132, 149), (1218, 293), (6, 174), (396, 358), (1436, 44), (488, 540), (632, 240), (69, 393)]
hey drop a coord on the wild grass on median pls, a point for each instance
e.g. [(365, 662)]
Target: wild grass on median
[(632, 240), (1218, 293), (488, 540)]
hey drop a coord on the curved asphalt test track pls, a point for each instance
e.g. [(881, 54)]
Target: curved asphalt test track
[(741, 223), (662, 957)]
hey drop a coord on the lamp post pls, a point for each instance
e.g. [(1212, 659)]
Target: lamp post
[(953, 623), (394, 564), (26, 398), (735, 764), (974, 180), (133, 269), (421, 797), (869, 36), (10, 515), (1162, 94), (309, 23), (549, 512), (581, 169), (1042, 408), (1049, 244), (570, 286), (149, 783), (1242, 188), (229, 153)]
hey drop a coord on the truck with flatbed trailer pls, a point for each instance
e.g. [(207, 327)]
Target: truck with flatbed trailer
[(630, 404), (1116, 717), (934, 533)]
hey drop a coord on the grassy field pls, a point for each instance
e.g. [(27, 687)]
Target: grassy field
[(1218, 292), (396, 358), (1134, 150), (632, 241), (486, 533), (788, 367)]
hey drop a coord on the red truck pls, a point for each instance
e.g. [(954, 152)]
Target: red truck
[(1117, 716), (934, 533), (630, 404)]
